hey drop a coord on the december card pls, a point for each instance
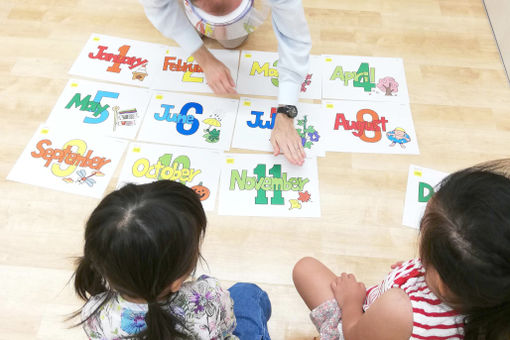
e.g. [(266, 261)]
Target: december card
[(258, 75), (364, 78), (189, 120), (100, 108), (264, 185), (197, 169), (68, 161), (369, 127), (256, 119), (119, 60), (421, 185)]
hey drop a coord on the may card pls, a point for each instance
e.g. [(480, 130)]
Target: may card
[(119, 60), (364, 78), (189, 120), (421, 185), (258, 75), (256, 119), (101, 108), (178, 71), (68, 161), (198, 169), (264, 185), (371, 127)]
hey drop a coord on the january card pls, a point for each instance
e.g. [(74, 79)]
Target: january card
[(119, 60), (195, 168), (68, 161), (101, 108), (258, 75), (421, 185), (256, 119), (178, 71), (369, 127), (189, 120), (264, 185), (364, 78)]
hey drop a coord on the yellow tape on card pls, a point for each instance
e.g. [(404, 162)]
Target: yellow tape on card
[(44, 131), (247, 103), (136, 149), (330, 106), (74, 84), (159, 97), (230, 161), (418, 173), (329, 60), (96, 39), (247, 55)]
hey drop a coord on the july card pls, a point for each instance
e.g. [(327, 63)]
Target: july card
[(369, 127), (189, 120), (119, 60), (258, 75), (264, 185), (68, 161), (364, 78), (101, 108), (256, 119), (197, 169), (421, 185)]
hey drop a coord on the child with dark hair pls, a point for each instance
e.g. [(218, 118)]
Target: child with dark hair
[(142, 242), (458, 289)]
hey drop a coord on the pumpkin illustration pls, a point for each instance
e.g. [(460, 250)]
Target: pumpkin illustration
[(202, 192)]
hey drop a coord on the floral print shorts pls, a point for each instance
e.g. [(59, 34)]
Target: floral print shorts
[(327, 319)]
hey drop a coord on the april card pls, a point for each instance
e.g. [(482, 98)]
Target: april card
[(68, 161), (258, 75), (421, 185), (197, 169), (264, 185), (119, 60), (178, 71), (364, 78), (256, 119), (101, 108), (369, 127), (189, 120)]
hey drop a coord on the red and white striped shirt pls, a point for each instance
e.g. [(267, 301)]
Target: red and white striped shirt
[(432, 319)]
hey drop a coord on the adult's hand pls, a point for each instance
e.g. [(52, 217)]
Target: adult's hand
[(216, 73), (285, 139)]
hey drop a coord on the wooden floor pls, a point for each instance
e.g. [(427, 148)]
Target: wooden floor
[(460, 102)]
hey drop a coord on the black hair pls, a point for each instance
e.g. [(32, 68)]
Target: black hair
[(465, 236), (138, 241)]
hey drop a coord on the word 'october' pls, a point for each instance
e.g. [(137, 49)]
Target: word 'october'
[(142, 167)]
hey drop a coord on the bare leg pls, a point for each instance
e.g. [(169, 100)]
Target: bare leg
[(312, 280)]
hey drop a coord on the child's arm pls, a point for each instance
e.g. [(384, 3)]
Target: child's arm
[(390, 317)]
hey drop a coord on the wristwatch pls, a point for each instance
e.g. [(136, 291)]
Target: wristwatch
[(288, 110)]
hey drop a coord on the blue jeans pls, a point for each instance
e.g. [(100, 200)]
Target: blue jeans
[(252, 309)]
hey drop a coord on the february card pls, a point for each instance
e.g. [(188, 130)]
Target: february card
[(68, 161)]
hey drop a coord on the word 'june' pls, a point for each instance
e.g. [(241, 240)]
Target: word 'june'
[(245, 182)]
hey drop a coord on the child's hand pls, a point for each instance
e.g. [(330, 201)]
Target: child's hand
[(396, 264), (347, 290)]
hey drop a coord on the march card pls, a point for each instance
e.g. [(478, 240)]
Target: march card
[(256, 119), (102, 108), (189, 120), (68, 161), (258, 75), (118, 60), (364, 78), (264, 185), (195, 168), (369, 127), (421, 185), (178, 71)]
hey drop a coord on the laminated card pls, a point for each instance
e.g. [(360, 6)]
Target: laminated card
[(189, 120), (264, 185), (68, 161), (195, 168), (101, 108)]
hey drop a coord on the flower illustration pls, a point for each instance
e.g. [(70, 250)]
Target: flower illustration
[(314, 136), (132, 322), (308, 134)]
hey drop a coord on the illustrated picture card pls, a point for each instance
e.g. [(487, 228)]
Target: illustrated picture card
[(364, 78), (258, 75), (118, 60), (189, 120), (178, 71), (68, 161), (264, 185), (101, 108), (369, 127), (255, 122), (421, 185), (195, 168)]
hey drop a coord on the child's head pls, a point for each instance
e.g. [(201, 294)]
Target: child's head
[(465, 237)]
